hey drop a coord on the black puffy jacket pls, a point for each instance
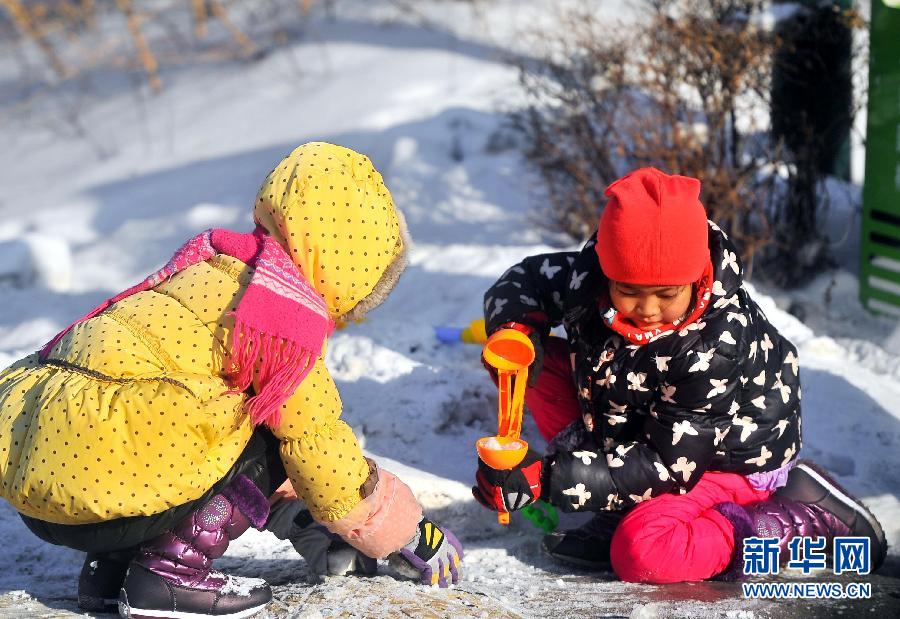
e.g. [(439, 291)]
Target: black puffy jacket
[(721, 394)]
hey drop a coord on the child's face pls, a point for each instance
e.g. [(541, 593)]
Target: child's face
[(649, 307)]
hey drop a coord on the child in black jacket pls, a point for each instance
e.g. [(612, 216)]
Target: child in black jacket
[(673, 398)]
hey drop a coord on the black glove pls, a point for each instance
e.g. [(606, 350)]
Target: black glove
[(325, 553), (538, 364), (579, 480), (512, 489)]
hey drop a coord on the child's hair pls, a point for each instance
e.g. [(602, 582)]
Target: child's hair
[(653, 230)]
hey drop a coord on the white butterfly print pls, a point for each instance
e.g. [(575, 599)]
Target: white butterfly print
[(753, 349), (667, 392), (615, 419), (613, 462), (619, 409), (586, 457), (766, 345), (789, 454), (760, 379), (735, 408), (760, 460), (636, 381), (792, 361), (498, 307), (694, 326), (577, 279), (718, 289), (662, 363), (608, 378), (662, 471), (640, 498), (727, 338), (513, 269), (781, 426), (730, 260), (747, 426), (759, 402), (715, 227), (719, 386), (685, 467), (720, 435), (548, 271), (725, 302), (680, 429), (622, 450), (737, 316), (581, 494), (528, 300), (780, 386), (605, 357), (703, 359)]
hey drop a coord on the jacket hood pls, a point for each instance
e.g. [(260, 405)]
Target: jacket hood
[(330, 209)]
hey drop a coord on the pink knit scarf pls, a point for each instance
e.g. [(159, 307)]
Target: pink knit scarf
[(280, 323)]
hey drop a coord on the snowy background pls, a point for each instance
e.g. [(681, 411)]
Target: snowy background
[(94, 199)]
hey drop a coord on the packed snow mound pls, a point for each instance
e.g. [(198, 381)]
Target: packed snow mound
[(35, 259)]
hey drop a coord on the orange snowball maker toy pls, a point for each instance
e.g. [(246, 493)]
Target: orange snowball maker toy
[(510, 352)]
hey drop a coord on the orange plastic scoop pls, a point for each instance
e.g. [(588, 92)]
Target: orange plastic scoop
[(510, 352)]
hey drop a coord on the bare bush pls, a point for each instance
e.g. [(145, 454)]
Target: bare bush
[(686, 90), (55, 28)]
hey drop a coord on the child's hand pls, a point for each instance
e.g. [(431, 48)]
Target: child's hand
[(325, 553), (284, 492), (512, 489), (432, 556)]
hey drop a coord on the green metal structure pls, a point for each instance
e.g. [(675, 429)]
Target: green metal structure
[(879, 281)]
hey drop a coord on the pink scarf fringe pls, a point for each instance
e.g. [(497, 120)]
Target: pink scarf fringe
[(282, 367)]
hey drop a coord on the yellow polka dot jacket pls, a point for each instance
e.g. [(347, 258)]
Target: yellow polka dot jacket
[(131, 412)]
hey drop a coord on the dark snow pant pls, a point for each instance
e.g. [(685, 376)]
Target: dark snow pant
[(260, 462), (670, 538)]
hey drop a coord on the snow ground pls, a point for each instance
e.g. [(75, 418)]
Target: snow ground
[(426, 103)]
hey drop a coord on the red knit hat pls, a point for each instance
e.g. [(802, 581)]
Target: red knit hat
[(653, 230)]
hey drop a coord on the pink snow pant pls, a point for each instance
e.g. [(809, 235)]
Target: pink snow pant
[(670, 538)]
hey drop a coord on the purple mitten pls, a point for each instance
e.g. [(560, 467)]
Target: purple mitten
[(431, 556)]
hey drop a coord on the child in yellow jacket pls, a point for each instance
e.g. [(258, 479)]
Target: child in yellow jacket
[(154, 430)]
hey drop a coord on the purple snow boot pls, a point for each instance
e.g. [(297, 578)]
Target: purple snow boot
[(172, 575), (811, 485), (811, 504)]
